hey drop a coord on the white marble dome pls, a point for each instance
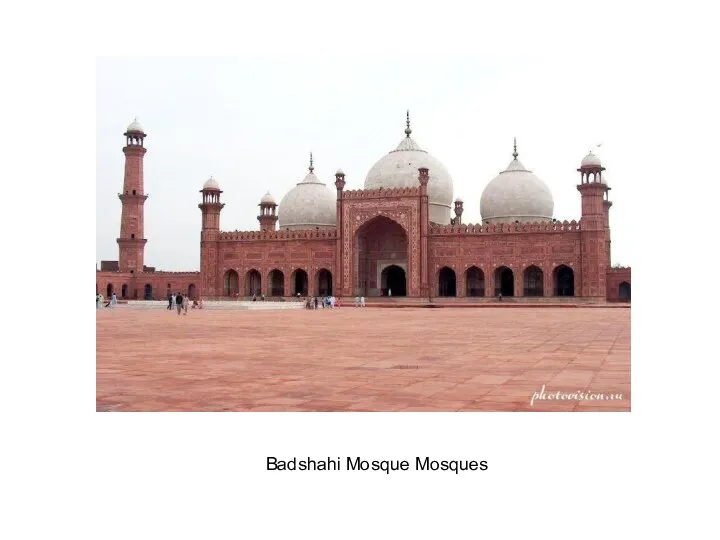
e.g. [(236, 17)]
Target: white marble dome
[(309, 205), (591, 160), (399, 169), (211, 183), (135, 127), (267, 199), (516, 194)]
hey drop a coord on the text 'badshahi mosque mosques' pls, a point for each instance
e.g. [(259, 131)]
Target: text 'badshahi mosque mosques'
[(396, 237)]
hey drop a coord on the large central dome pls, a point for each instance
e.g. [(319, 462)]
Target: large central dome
[(399, 169)]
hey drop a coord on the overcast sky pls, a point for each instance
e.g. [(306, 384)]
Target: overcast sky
[(252, 123)]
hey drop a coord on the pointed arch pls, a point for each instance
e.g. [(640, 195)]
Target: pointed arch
[(231, 282), (533, 279), (253, 283), (504, 281), (276, 283), (624, 291), (474, 282), (563, 281), (299, 282), (324, 282), (447, 282)]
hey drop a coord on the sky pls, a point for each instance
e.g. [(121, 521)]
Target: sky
[(251, 123)]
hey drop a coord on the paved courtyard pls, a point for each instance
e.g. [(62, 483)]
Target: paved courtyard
[(371, 359)]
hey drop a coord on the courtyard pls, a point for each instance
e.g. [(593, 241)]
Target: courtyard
[(364, 359)]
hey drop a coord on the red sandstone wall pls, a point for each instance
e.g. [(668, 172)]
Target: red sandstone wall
[(264, 256), (517, 251), (158, 281), (616, 277)]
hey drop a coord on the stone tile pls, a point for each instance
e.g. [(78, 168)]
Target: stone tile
[(360, 360)]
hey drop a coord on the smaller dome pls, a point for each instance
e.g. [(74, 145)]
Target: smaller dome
[(591, 160), (135, 127), (211, 184), (339, 172), (267, 199)]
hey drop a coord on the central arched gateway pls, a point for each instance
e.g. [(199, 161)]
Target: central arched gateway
[(381, 262)]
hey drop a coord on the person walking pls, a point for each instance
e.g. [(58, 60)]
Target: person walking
[(185, 303), (113, 300), (97, 301), (178, 302), (316, 302), (170, 301)]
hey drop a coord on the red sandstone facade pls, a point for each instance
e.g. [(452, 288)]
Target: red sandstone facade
[(383, 245)]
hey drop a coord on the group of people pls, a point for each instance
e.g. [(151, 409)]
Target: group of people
[(359, 301), (182, 303), (100, 301), (327, 302)]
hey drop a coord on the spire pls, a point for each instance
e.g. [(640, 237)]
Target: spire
[(311, 168), (515, 154), (408, 131)]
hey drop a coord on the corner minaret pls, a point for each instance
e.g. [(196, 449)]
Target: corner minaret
[(593, 231), (268, 213), (210, 269), (132, 236)]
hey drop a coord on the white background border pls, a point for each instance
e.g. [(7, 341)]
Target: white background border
[(68, 471)]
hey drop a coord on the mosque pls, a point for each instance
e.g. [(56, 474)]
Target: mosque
[(396, 237)]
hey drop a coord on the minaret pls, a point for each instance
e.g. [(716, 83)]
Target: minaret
[(593, 235), (268, 213), (210, 278), (132, 238)]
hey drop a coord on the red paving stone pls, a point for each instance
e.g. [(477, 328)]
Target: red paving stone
[(371, 359)]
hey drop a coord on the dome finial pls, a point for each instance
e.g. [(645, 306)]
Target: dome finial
[(515, 154), (408, 131), (311, 168)]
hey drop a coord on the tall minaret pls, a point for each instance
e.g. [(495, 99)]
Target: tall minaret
[(132, 238), (592, 229)]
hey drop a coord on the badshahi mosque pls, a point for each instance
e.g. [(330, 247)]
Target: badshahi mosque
[(401, 236)]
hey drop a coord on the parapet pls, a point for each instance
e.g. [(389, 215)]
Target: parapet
[(381, 193), (506, 228), (300, 234), (164, 273)]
